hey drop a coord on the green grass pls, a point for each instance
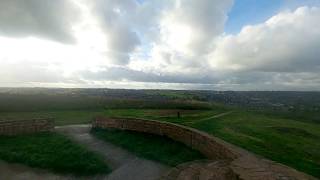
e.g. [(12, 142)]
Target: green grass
[(53, 152), (164, 114), (287, 141), (149, 146), (68, 117), (57, 102), (170, 94), (291, 141), (60, 117)]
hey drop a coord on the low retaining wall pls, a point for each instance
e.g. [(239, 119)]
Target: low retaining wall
[(245, 164), (210, 146), (15, 127)]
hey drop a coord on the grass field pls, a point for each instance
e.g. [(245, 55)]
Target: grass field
[(60, 117), (287, 141), (294, 142), (67, 117), (53, 152), (149, 146)]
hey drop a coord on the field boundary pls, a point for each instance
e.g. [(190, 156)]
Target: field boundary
[(243, 163)]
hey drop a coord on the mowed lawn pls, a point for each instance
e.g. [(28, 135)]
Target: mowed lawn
[(287, 141), (53, 152)]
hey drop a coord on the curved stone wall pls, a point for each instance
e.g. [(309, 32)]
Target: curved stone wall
[(14, 127), (245, 164), (210, 146)]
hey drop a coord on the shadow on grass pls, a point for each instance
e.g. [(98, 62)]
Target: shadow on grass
[(153, 147)]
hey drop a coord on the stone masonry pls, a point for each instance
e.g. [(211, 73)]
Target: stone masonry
[(15, 127)]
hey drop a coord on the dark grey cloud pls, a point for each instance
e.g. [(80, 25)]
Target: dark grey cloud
[(41, 18), (121, 42), (211, 80), (115, 21), (121, 73)]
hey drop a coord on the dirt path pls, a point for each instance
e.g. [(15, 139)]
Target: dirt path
[(125, 165), (211, 117)]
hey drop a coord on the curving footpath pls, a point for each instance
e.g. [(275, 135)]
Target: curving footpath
[(227, 161)]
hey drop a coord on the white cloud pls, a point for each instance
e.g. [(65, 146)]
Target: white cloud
[(287, 42), (187, 30), (191, 26), (156, 43)]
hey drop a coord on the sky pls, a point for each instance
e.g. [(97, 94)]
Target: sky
[(161, 44)]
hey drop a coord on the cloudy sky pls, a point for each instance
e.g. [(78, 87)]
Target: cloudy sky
[(171, 44)]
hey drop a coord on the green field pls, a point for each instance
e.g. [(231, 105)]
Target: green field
[(287, 141), (53, 152), (150, 146), (61, 117), (291, 141)]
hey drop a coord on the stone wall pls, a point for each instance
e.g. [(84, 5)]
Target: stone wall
[(15, 127), (210, 146), (244, 164)]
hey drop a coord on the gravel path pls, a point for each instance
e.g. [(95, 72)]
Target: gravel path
[(124, 164)]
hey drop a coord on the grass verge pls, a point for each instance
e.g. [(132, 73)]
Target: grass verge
[(53, 152), (149, 146)]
